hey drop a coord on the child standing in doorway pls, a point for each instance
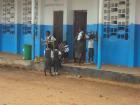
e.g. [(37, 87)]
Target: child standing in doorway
[(91, 48)]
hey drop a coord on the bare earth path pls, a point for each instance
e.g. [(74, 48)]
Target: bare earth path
[(18, 87)]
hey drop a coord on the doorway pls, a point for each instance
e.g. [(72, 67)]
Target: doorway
[(80, 22), (58, 26)]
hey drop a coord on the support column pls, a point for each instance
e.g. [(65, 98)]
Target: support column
[(33, 29), (0, 26), (100, 34), (132, 33), (16, 27), (39, 24), (68, 25)]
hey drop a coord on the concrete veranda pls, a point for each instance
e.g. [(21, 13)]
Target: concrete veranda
[(108, 72)]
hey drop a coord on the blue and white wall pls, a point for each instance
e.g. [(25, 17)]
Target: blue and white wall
[(8, 41), (125, 52), (92, 17), (13, 43), (114, 51), (68, 7)]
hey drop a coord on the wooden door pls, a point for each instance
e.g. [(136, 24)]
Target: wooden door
[(80, 22), (58, 26)]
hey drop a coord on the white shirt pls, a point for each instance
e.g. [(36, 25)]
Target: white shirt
[(80, 35), (52, 54), (51, 38), (66, 49), (90, 43), (43, 41)]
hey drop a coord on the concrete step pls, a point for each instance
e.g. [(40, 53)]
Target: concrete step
[(101, 74), (7, 61), (78, 71)]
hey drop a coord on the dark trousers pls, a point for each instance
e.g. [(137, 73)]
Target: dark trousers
[(56, 64), (90, 54), (47, 67)]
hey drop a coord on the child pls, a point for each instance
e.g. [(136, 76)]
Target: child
[(66, 52), (61, 51), (56, 61), (48, 61), (52, 60), (90, 48)]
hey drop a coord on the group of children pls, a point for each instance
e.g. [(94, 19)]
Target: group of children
[(80, 45), (55, 54)]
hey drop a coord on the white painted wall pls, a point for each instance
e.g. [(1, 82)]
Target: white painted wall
[(68, 6), (19, 11), (46, 8), (132, 13), (0, 12), (91, 6), (137, 5)]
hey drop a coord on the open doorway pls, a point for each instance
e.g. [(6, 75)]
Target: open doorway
[(58, 26), (80, 22)]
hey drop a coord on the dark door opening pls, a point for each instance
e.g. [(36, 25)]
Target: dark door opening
[(80, 22), (58, 26)]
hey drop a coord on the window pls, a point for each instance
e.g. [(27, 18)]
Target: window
[(116, 18)]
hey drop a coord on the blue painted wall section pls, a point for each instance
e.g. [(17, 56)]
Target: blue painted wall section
[(20, 39), (69, 37), (0, 37), (92, 28), (43, 30), (131, 37), (122, 52), (114, 51), (8, 39), (37, 40), (137, 45)]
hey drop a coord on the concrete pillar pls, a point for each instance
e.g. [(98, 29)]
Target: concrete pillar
[(132, 23), (68, 17), (33, 29), (39, 24), (0, 26), (68, 25), (16, 27), (100, 34)]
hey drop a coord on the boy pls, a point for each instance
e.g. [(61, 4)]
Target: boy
[(56, 61), (66, 52), (50, 40), (48, 61), (90, 48)]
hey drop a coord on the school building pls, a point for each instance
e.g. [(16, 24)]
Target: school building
[(116, 22)]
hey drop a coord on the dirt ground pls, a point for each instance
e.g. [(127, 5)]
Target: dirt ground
[(23, 87)]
